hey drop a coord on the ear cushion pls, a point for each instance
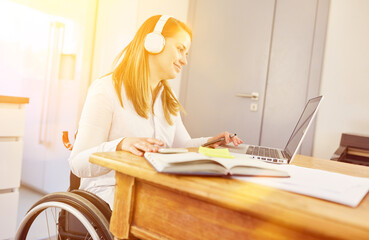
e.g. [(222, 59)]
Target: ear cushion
[(154, 42)]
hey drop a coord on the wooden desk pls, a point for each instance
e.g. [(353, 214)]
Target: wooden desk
[(150, 205)]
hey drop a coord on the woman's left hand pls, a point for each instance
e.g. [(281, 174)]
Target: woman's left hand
[(227, 139)]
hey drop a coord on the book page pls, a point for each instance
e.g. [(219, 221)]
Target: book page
[(245, 165), (185, 163), (178, 157), (200, 168), (247, 161)]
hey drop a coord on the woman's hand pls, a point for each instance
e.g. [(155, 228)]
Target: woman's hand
[(138, 146), (227, 139)]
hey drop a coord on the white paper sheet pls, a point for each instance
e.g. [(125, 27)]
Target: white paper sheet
[(335, 187)]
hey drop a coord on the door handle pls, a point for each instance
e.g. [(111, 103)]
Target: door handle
[(253, 95)]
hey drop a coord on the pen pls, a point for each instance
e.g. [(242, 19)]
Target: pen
[(218, 140)]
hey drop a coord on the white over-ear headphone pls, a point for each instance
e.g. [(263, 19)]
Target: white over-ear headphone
[(155, 41)]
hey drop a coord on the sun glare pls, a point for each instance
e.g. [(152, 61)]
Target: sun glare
[(27, 39)]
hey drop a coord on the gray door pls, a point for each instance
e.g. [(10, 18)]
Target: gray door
[(271, 48), (228, 61)]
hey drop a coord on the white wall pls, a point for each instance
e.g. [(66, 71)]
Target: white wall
[(118, 21), (345, 76), (115, 27)]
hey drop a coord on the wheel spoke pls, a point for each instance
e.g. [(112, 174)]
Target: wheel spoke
[(47, 224)]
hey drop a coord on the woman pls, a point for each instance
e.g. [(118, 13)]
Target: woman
[(133, 108)]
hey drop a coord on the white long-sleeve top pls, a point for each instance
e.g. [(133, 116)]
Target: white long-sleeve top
[(104, 123)]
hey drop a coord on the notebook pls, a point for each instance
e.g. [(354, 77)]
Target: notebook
[(284, 156)]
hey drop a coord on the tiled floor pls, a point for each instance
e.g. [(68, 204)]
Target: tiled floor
[(27, 198)]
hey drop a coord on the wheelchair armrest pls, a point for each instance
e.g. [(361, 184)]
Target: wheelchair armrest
[(66, 141)]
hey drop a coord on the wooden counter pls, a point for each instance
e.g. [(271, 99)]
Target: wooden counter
[(13, 100)]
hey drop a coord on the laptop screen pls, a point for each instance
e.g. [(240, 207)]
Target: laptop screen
[(302, 126)]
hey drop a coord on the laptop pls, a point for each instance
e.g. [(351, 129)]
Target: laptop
[(284, 156)]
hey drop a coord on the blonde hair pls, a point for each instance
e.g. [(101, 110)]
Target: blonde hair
[(133, 72)]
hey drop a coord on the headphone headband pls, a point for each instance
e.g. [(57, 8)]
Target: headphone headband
[(161, 23)]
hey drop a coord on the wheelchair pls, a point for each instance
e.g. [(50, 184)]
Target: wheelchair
[(72, 215)]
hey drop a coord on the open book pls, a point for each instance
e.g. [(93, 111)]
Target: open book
[(192, 163)]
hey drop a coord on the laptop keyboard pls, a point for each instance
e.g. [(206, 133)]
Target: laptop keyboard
[(262, 151)]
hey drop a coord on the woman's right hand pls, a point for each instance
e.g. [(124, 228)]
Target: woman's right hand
[(139, 146)]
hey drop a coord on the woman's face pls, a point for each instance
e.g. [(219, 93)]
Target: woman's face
[(168, 63)]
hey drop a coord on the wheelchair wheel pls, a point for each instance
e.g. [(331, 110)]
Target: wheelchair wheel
[(64, 215), (97, 201)]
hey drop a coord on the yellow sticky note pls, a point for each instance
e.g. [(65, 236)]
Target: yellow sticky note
[(221, 152)]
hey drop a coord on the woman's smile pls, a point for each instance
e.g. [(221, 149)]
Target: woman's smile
[(177, 67)]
